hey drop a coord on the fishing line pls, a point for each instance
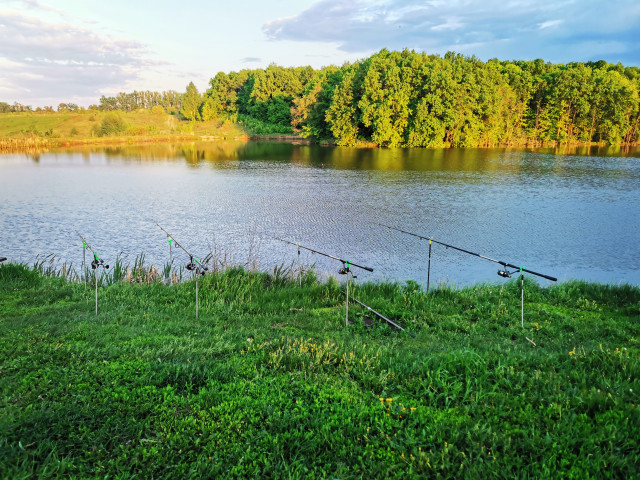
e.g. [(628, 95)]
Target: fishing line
[(194, 264), (96, 263)]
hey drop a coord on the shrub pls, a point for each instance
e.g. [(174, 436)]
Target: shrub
[(112, 124), (258, 127)]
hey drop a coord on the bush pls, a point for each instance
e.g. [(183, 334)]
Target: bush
[(112, 124), (258, 127), (32, 130)]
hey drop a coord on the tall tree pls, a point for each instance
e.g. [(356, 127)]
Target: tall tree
[(386, 96), (191, 101), (343, 115)]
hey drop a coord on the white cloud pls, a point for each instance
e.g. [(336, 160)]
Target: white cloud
[(550, 24), (79, 62), (517, 29), (450, 24), (34, 4)]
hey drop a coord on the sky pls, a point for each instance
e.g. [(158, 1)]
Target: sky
[(75, 51)]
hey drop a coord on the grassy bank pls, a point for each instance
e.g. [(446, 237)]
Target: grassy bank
[(34, 132), (270, 383), (25, 130)]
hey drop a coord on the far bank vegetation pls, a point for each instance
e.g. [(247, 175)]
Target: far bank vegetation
[(391, 99)]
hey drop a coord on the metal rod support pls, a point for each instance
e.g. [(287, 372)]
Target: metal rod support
[(170, 259), (429, 267), (299, 268), (346, 322), (96, 264), (194, 264), (522, 299), (96, 275)]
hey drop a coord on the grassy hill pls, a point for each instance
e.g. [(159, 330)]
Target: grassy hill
[(62, 128), (268, 382)]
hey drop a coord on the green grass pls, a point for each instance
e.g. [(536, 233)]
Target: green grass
[(270, 383), (69, 127)]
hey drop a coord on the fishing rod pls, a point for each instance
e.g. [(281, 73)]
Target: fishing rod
[(391, 322), (345, 270), (502, 273), (194, 264), (346, 263), (95, 264), (97, 261)]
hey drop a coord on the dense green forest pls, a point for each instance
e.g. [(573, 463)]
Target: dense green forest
[(411, 99)]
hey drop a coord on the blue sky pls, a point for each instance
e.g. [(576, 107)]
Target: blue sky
[(54, 51)]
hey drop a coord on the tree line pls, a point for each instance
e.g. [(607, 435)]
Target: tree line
[(413, 99), (169, 100), (396, 99)]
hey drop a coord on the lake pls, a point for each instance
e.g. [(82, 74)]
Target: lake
[(570, 214)]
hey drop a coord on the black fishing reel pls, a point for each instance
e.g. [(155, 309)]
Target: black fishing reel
[(345, 270), (197, 267), (506, 273), (98, 262)]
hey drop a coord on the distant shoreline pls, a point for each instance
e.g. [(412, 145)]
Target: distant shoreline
[(39, 132), (43, 144)]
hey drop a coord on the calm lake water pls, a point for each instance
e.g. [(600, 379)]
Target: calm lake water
[(571, 214)]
